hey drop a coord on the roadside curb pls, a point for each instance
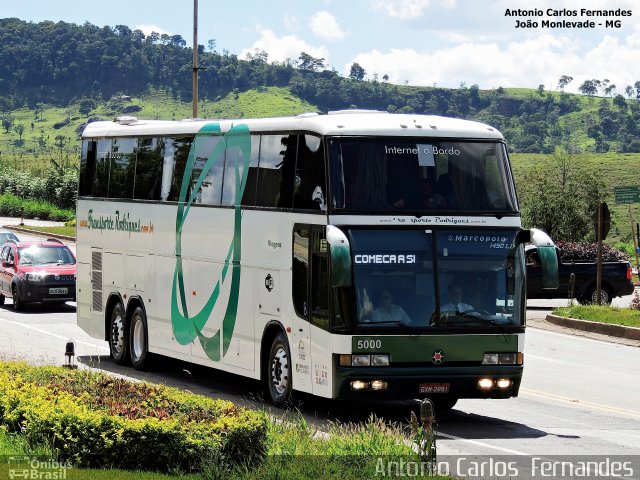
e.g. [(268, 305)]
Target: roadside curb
[(40, 234), (631, 333)]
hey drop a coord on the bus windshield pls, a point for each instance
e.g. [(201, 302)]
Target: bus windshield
[(399, 274), (392, 175)]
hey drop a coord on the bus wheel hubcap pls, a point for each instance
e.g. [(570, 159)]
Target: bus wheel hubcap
[(279, 371), (138, 338)]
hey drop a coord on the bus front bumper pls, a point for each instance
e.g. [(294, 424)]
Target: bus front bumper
[(398, 383)]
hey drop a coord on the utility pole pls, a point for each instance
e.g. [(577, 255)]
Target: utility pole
[(195, 59)]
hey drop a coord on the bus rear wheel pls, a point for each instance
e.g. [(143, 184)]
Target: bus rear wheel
[(139, 340), (118, 338), (278, 376)]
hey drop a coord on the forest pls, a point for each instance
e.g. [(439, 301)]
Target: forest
[(58, 63)]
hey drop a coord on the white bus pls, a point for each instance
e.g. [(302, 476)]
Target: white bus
[(356, 255)]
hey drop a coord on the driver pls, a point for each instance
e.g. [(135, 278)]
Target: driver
[(455, 304)]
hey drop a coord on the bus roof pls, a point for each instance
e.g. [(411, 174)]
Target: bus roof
[(340, 123)]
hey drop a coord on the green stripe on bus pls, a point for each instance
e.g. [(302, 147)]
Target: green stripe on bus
[(187, 328)]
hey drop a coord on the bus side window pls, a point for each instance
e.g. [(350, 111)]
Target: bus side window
[(276, 171), (148, 169), (174, 163), (87, 169), (249, 194), (122, 167), (309, 184), (103, 154), (208, 167)]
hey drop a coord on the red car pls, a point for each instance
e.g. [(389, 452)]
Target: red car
[(37, 271)]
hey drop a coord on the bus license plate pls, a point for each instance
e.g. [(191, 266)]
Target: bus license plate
[(58, 291), (434, 388)]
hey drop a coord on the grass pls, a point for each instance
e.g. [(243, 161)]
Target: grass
[(601, 313), (296, 451), (65, 230)]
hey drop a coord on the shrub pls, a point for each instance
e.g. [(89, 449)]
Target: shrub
[(588, 252), (94, 420)]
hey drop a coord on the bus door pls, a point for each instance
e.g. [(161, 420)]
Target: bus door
[(311, 349)]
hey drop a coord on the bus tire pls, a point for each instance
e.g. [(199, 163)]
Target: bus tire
[(1, 299), (139, 339), (278, 376), (118, 335), (443, 405)]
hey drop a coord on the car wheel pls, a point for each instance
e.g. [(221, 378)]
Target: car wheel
[(279, 371), (17, 302), (139, 340), (118, 335), (1, 299), (605, 296)]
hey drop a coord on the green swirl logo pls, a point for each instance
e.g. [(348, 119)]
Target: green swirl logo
[(186, 328)]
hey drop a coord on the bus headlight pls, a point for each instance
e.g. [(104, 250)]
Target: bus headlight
[(503, 358), (364, 360), (379, 360), (361, 360)]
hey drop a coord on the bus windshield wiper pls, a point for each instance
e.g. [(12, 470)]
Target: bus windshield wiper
[(411, 330)]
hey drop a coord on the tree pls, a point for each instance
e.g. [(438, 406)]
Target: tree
[(7, 122), (564, 81), (19, 129), (540, 89), (609, 89), (357, 72), (307, 62), (211, 45), (86, 105), (628, 91), (588, 87), (559, 196)]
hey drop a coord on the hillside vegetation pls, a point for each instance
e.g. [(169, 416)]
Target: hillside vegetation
[(56, 77)]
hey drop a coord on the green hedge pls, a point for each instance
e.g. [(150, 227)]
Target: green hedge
[(94, 420), (12, 206)]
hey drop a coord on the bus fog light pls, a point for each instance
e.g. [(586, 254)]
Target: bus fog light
[(485, 383), (490, 359), (361, 360), (379, 385), (379, 360), (503, 383), (359, 385)]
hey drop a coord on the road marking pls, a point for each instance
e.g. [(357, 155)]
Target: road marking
[(581, 403), (555, 360), (482, 444), (31, 327)]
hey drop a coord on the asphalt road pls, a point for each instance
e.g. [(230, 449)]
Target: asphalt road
[(579, 396)]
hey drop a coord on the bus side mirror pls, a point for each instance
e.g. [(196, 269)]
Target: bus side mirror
[(548, 258), (340, 254)]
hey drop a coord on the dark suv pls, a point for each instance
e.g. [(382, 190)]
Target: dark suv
[(37, 271)]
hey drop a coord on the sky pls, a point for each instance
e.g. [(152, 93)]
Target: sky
[(445, 43)]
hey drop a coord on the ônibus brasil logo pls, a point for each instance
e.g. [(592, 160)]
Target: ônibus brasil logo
[(187, 327)]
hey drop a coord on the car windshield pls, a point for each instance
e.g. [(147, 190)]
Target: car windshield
[(45, 255), (7, 236), (398, 276)]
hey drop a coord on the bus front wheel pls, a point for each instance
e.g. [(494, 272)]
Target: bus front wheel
[(279, 371), (118, 338), (139, 339)]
